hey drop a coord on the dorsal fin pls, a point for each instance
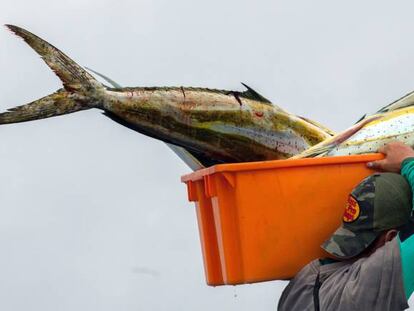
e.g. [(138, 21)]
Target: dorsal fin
[(405, 101), (252, 94)]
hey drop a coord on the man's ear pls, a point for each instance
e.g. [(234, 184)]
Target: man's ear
[(391, 234)]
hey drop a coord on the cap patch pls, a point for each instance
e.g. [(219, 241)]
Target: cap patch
[(352, 210)]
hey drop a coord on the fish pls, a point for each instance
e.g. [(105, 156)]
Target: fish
[(212, 126), (394, 122)]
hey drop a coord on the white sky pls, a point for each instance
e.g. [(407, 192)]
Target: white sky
[(92, 215)]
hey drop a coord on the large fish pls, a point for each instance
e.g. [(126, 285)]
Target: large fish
[(393, 122), (214, 126)]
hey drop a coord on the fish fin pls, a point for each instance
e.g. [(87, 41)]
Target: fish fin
[(327, 145), (189, 158), (403, 102), (318, 125), (252, 94), (109, 80), (59, 103), (361, 118), (73, 76), (79, 85)]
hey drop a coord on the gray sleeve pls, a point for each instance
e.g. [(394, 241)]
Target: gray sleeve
[(374, 282)]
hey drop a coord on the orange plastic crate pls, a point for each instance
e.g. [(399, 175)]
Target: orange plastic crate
[(263, 221)]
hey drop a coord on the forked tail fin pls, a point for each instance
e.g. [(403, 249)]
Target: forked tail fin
[(58, 103), (79, 90)]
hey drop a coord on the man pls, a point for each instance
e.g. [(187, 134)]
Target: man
[(373, 249)]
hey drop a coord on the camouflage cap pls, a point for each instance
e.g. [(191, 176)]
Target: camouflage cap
[(380, 202)]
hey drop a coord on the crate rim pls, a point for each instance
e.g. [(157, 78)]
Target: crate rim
[(263, 165)]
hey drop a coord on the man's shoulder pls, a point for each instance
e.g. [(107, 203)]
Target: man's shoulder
[(323, 266), (311, 269), (298, 295)]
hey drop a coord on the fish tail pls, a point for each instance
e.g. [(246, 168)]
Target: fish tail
[(81, 90), (59, 103)]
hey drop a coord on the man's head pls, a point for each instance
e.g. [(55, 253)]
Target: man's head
[(376, 207)]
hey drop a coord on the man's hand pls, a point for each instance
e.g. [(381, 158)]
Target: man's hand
[(395, 153)]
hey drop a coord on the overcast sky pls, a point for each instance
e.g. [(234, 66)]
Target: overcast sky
[(92, 215)]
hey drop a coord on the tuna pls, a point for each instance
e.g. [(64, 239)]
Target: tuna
[(394, 122), (204, 126)]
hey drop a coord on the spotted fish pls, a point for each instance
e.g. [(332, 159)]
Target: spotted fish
[(393, 122)]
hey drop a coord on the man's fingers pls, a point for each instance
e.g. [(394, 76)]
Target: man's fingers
[(383, 149), (376, 165)]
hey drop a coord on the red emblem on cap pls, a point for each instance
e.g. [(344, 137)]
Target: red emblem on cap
[(352, 210)]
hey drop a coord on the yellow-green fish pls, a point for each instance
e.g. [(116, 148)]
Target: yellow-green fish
[(213, 126)]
